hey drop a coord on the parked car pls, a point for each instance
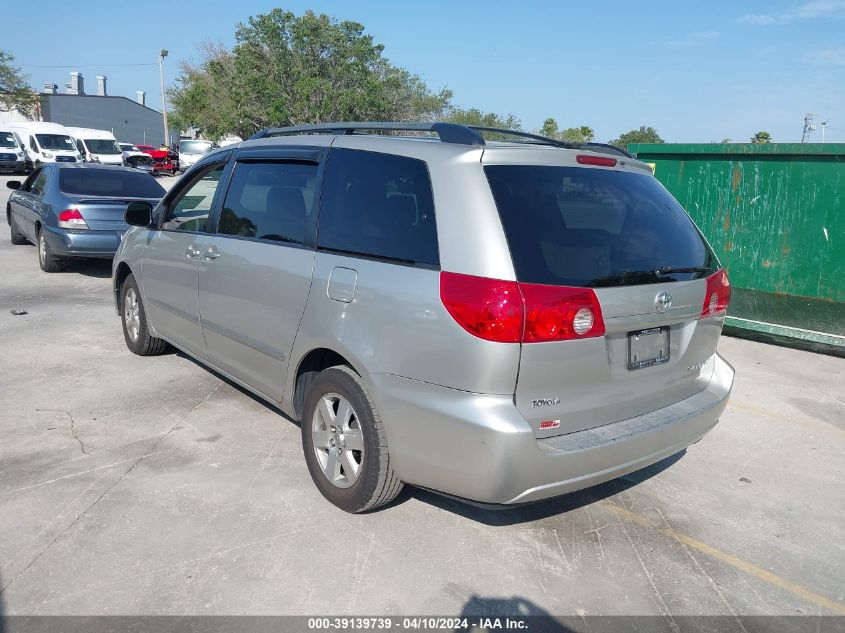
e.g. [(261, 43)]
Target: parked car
[(500, 321), (46, 142), (191, 150), (75, 210), (163, 162), (134, 157), (12, 152), (97, 146)]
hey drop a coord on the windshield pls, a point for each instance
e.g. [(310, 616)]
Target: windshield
[(109, 182), (128, 147), (102, 146), (55, 141), (194, 147), (7, 139), (583, 227)]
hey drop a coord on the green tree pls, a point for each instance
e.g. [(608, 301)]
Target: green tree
[(581, 134), (474, 116), (286, 69), (644, 134), (15, 93), (550, 128), (761, 138)]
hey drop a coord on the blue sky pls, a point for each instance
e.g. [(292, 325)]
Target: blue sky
[(698, 72)]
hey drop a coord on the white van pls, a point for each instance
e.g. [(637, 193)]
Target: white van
[(97, 146), (46, 142), (12, 153), (191, 150)]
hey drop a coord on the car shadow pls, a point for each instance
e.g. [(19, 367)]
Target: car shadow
[(501, 515), (99, 268), (235, 385)]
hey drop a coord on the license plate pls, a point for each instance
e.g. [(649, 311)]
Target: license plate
[(648, 347)]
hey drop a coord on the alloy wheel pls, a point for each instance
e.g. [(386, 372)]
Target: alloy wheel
[(132, 314), (338, 440)]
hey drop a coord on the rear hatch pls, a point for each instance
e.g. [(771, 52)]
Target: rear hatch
[(101, 194), (615, 240)]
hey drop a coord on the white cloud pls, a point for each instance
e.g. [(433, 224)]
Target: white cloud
[(806, 11), (829, 57)]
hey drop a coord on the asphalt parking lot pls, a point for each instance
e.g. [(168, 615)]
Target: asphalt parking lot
[(136, 485)]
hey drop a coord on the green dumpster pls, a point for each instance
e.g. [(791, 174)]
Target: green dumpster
[(775, 215)]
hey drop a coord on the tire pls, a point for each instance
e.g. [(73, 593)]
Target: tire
[(136, 331), (49, 261), (16, 237), (374, 483)]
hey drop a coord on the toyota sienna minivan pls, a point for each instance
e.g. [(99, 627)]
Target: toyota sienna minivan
[(500, 321)]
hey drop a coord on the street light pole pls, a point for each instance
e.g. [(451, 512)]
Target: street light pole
[(161, 57)]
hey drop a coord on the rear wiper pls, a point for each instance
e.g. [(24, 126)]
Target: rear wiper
[(626, 278), (665, 270)]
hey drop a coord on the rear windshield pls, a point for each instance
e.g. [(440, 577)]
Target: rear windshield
[(583, 227), (108, 182)]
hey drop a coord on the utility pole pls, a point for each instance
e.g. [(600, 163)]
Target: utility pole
[(824, 125), (161, 57), (808, 127)]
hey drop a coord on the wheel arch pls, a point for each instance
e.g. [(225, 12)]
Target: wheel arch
[(120, 274), (309, 366)]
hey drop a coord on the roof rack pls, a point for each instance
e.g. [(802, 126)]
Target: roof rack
[(448, 133)]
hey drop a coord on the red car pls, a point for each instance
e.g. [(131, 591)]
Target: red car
[(165, 161)]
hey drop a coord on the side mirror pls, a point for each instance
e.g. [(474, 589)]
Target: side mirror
[(139, 214), (13, 184)]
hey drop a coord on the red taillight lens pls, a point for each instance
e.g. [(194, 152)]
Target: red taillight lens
[(488, 308), (718, 294), (511, 312), (71, 219), (601, 161), (559, 313)]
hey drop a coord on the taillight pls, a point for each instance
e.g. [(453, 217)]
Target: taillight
[(511, 312), (560, 313), (71, 219), (488, 308), (601, 161), (718, 294)]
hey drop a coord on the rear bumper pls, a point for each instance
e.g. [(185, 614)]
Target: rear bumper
[(479, 447), (99, 244)]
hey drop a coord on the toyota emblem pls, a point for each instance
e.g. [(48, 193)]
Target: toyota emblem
[(663, 301)]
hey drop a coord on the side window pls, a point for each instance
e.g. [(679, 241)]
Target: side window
[(80, 147), (270, 201), (190, 209), (32, 145), (27, 184), (378, 205), (40, 183)]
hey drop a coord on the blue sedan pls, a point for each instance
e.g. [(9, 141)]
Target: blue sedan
[(76, 209)]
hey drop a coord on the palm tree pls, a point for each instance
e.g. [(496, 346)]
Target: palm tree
[(761, 138)]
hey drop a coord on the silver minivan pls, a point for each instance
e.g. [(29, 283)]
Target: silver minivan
[(502, 321)]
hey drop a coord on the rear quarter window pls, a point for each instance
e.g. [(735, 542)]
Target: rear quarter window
[(585, 227), (378, 205)]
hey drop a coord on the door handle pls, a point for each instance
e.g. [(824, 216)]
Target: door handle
[(211, 253)]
